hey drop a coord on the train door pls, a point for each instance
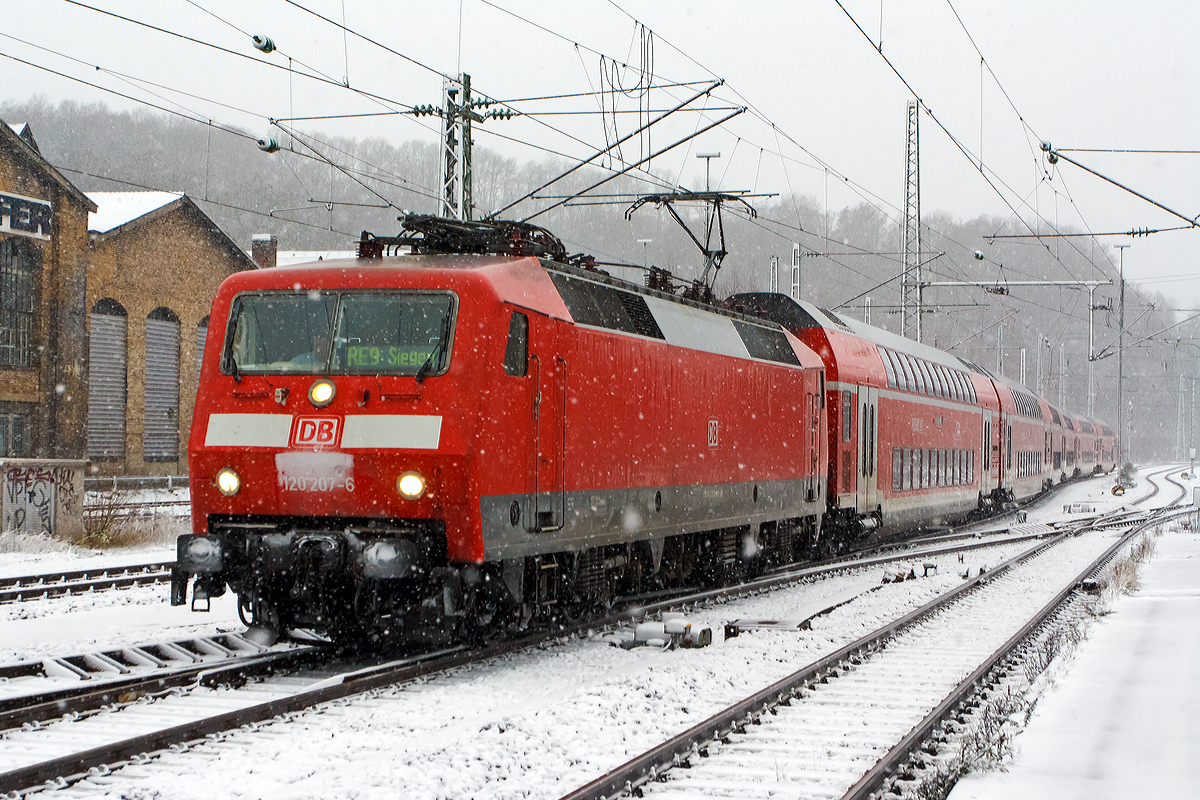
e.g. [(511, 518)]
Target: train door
[(549, 405), (987, 464), (868, 449)]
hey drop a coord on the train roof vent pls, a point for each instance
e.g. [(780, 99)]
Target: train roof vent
[(639, 314), (773, 307), (606, 307), (769, 344)]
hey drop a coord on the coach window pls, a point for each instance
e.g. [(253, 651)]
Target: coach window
[(897, 467), (930, 380), (924, 378), (915, 382), (887, 367), (898, 368), (914, 374), (847, 408), (516, 353), (871, 451)]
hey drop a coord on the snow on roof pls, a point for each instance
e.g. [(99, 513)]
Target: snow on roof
[(18, 127), (118, 208), (285, 258)]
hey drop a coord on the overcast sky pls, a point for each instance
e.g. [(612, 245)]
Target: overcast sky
[(1116, 75)]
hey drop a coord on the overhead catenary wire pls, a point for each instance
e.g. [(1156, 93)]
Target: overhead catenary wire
[(219, 203), (618, 173), (172, 112), (607, 149), (777, 143), (987, 173), (872, 199)]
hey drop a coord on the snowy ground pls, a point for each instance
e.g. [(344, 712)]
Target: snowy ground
[(530, 724), (1121, 721)]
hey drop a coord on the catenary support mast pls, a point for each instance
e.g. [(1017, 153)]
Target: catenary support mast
[(910, 285)]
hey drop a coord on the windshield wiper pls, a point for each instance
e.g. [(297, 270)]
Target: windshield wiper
[(437, 351), (231, 365)]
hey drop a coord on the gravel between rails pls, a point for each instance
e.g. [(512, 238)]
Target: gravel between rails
[(535, 723)]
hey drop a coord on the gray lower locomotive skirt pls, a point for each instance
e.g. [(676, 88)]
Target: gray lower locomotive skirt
[(614, 516)]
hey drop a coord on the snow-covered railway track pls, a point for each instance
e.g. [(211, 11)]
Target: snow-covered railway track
[(106, 680), (842, 725), (59, 584), (157, 716)]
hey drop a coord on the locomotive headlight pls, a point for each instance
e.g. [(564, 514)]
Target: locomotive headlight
[(321, 393), (228, 481), (411, 485)]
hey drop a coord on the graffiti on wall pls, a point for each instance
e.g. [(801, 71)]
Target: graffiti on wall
[(32, 495)]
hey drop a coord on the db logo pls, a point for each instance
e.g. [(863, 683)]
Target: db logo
[(315, 432)]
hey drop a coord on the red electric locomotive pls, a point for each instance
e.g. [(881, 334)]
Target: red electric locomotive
[(478, 433)]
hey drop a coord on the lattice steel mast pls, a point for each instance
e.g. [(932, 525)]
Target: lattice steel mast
[(910, 285)]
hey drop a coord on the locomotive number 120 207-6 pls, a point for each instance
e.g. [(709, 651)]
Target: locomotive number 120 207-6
[(313, 484)]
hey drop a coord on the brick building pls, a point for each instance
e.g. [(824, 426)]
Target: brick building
[(43, 338), (155, 261)]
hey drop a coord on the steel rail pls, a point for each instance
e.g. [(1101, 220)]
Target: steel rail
[(56, 584), (75, 767), (889, 764), (96, 509), (651, 764), (80, 700)]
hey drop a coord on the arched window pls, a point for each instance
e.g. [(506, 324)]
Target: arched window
[(106, 381), (160, 430)]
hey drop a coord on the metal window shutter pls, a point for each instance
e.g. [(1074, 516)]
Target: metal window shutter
[(201, 335), (160, 437), (106, 387)]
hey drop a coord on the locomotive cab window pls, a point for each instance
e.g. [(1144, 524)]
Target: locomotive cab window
[(516, 352), (394, 333)]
